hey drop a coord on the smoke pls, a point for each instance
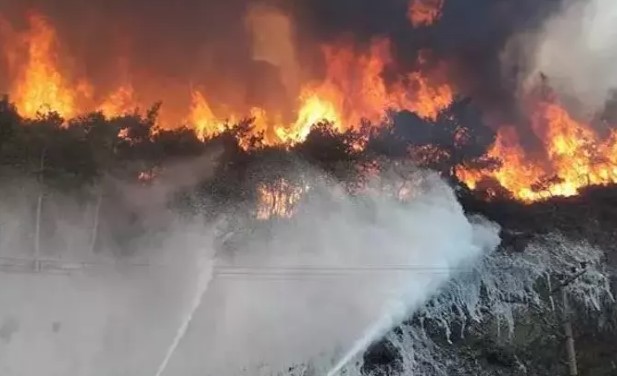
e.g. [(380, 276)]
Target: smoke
[(282, 294), (273, 41), (576, 49)]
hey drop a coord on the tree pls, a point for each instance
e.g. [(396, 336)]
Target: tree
[(9, 120), (458, 137), (326, 148)]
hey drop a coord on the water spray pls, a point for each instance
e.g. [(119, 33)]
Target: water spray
[(205, 277), (372, 334)]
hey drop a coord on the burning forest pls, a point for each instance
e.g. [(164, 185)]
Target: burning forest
[(362, 177), (353, 85)]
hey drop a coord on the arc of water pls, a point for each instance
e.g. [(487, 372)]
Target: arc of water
[(204, 281), (365, 341)]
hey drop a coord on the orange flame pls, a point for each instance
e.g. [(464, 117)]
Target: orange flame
[(353, 90), (424, 12), (312, 111), (206, 124), (574, 157), (278, 199), (41, 87), (119, 102)]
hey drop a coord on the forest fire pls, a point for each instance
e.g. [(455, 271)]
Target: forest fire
[(573, 156), (353, 90), (356, 90), (370, 187)]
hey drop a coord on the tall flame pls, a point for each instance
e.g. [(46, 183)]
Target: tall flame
[(41, 86), (202, 117)]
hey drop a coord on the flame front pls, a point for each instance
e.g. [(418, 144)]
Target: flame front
[(351, 93), (573, 156)]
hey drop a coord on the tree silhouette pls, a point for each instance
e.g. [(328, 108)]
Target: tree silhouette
[(458, 137), (9, 120), (325, 147)]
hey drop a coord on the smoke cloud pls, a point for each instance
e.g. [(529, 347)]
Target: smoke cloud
[(576, 49)]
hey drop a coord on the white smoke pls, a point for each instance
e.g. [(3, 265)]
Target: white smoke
[(287, 293), (577, 50)]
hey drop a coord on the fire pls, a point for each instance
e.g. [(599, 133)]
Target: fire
[(516, 173), (206, 124), (429, 99), (424, 12), (313, 110), (278, 199), (574, 157), (355, 87), (41, 87), (119, 102), (352, 91), (353, 94)]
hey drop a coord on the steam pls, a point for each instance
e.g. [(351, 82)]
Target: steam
[(315, 290), (577, 50)]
